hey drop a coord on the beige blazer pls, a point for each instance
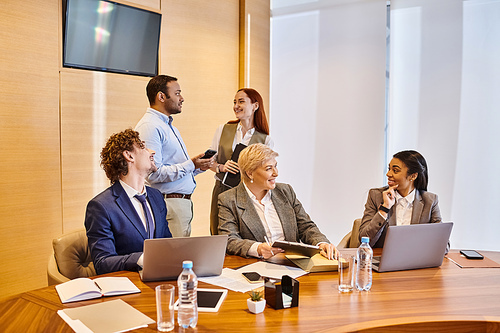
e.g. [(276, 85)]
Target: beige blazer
[(425, 210), (239, 219)]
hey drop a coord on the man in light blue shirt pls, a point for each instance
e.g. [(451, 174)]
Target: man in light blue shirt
[(176, 170)]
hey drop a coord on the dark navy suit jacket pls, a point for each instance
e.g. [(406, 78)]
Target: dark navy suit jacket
[(115, 231)]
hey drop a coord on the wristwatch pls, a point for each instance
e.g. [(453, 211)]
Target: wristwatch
[(384, 209)]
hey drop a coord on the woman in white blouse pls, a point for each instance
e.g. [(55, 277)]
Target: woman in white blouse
[(251, 126)]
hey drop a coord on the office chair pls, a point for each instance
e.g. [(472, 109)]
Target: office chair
[(70, 259), (351, 240)]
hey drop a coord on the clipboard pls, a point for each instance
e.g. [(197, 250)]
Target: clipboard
[(297, 248)]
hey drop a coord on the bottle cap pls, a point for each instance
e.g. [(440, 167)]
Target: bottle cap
[(365, 239), (187, 264)]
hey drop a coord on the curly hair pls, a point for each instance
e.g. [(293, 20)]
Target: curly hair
[(112, 160)]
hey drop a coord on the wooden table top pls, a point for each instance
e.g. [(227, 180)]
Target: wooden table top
[(425, 295)]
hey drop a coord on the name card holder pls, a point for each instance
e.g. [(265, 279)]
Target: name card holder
[(281, 294)]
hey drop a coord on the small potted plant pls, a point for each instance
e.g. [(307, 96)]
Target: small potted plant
[(256, 303)]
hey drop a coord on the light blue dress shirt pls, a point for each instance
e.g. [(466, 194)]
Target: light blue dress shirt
[(176, 171)]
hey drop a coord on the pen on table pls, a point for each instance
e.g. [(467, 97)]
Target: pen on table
[(269, 243)]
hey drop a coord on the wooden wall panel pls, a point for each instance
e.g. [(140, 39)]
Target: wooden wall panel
[(200, 47), (94, 105), (30, 199), (255, 46), (146, 4), (54, 121)]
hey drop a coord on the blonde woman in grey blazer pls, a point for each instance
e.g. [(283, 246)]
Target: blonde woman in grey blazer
[(407, 177), (260, 211)]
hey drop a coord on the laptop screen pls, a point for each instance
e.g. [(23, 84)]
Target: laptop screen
[(163, 257)]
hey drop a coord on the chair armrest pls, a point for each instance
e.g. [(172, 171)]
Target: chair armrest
[(344, 243), (53, 274)]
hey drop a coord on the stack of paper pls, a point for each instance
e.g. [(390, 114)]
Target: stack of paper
[(233, 280)]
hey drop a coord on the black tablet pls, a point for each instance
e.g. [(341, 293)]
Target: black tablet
[(209, 300)]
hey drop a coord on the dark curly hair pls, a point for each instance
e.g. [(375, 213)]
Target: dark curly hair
[(112, 160)]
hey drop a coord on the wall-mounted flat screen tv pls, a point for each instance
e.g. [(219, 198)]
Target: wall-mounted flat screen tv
[(108, 36)]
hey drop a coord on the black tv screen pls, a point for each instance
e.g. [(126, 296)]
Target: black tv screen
[(109, 36)]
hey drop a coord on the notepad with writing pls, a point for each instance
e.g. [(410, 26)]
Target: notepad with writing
[(84, 288)]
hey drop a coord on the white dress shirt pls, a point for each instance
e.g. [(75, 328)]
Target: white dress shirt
[(404, 208), (238, 137), (131, 192), (269, 218)]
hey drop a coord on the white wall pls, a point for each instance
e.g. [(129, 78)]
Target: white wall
[(444, 102), (328, 105)]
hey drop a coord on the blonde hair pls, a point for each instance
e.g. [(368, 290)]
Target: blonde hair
[(253, 157)]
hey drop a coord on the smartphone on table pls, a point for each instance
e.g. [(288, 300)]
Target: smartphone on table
[(252, 277), (471, 254)]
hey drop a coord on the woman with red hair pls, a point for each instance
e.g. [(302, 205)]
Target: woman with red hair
[(250, 126)]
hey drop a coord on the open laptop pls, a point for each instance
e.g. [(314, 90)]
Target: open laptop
[(163, 257), (413, 246)]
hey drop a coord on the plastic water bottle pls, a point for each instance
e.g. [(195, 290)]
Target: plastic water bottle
[(364, 271), (187, 283)]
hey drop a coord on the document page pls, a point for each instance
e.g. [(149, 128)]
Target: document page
[(271, 270), (233, 279), (105, 317)]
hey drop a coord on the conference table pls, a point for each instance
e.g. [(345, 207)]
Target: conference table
[(446, 298)]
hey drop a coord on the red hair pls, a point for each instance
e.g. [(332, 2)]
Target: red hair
[(259, 116)]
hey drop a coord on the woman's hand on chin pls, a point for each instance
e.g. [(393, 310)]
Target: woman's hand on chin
[(389, 196)]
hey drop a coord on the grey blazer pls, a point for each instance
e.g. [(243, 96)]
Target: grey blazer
[(239, 219), (425, 210)]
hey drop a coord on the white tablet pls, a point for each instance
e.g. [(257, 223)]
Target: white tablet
[(209, 300)]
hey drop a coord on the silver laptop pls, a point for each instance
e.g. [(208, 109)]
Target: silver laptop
[(413, 246), (163, 257)]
